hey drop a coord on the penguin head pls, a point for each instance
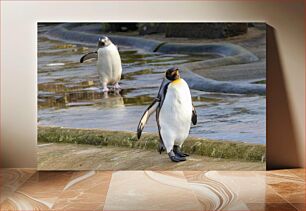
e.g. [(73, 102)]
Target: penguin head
[(103, 42), (172, 74)]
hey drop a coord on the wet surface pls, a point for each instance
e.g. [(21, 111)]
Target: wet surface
[(69, 95)]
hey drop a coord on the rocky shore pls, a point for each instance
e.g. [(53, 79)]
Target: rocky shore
[(243, 57)]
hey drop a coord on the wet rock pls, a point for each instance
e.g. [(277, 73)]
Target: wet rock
[(206, 30), (121, 27), (151, 28), (98, 28)]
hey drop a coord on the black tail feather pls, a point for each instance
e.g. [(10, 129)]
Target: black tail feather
[(161, 148)]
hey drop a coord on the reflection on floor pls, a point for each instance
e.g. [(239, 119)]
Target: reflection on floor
[(26, 189)]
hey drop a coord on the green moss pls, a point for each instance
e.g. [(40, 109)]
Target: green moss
[(149, 141)]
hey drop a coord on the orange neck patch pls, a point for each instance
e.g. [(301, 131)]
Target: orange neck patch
[(177, 81)]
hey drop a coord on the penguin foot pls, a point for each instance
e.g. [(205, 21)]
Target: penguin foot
[(117, 86), (105, 89), (177, 151), (175, 158)]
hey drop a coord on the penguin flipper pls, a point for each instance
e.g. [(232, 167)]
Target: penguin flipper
[(194, 117), (151, 109), (88, 56)]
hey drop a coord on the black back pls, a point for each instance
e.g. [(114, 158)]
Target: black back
[(161, 96)]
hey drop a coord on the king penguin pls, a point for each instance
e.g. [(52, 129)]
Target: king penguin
[(174, 114), (108, 63)]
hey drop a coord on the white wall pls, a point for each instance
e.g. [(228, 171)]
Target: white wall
[(18, 60)]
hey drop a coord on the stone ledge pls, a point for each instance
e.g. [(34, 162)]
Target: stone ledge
[(149, 141)]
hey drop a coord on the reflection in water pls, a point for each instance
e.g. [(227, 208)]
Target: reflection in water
[(62, 97), (70, 95)]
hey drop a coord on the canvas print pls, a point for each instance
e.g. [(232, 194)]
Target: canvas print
[(151, 96)]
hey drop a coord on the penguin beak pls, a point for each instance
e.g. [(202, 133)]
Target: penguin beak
[(177, 74)]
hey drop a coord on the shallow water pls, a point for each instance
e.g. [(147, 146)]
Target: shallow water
[(69, 94)]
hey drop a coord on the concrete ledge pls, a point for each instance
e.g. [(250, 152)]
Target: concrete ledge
[(221, 49), (149, 141), (209, 85), (64, 32)]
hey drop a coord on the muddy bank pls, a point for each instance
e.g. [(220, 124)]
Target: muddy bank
[(89, 157), (149, 141)]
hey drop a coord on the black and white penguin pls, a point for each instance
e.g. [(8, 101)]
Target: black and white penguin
[(174, 114), (108, 63)]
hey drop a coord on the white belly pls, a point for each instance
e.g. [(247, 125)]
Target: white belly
[(109, 64), (175, 114)]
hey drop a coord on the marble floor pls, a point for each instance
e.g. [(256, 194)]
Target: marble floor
[(27, 189)]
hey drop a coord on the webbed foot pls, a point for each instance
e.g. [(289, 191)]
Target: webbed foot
[(175, 158), (105, 89), (177, 151), (117, 86)]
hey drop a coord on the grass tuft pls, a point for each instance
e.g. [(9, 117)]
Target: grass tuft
[(149, 141)]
